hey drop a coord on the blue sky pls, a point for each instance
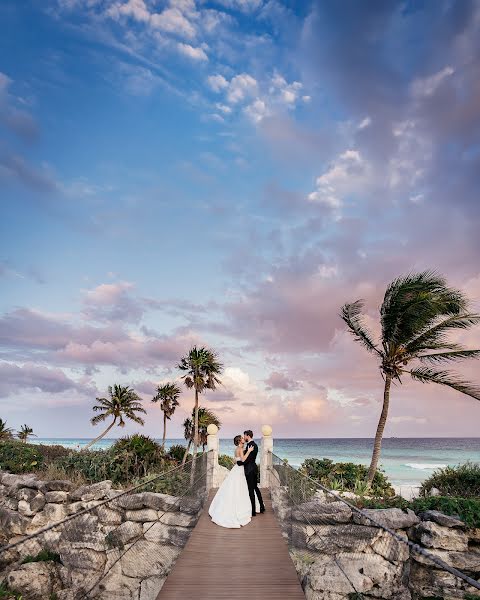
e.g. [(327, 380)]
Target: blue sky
[(230, 173)]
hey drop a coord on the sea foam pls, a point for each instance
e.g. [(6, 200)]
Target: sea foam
[(424, 466)]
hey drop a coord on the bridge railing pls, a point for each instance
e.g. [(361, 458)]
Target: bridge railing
[(342, 551), (107, 543)]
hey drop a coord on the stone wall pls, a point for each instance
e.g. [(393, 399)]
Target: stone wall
[(135, 539), (337, 552)]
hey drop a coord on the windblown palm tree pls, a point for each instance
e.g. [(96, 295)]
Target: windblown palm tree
[(417, 313), (6, 433), (24, 433), (167, 395), (205, 418), (123, 403), (202, 370)]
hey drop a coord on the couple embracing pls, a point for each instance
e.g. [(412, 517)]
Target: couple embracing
[(238, 498)]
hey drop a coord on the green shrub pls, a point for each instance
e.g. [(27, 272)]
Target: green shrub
[(141, 453), (177, 452), (345, 476), (43, 556), (7, 594), (50, 453), (460, 481), (17, 457), (466, 509), (226, 461)]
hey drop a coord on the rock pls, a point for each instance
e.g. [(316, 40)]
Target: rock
[(322, 513), (426, 582), (10, 503), (15, 482), (82, 558), (115, 581), (431, 535), (26, 494), (108, 516), (12, 523), (145, 558), (95, 491), (158, 532), (150, 587), (464, 561), (34, 581), (126, 532), (177, 518), (441, 519), (365, 574), (130, 501), (393, 518), (55, 512), (474, 535), (83, 532), (58, 485), (56, 496), (191, 506), (75, 507), (390, 547), (332, 539), (142, 515), (32, 507), (162, 502), (79, 580)]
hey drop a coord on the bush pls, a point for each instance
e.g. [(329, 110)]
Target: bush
[(177, 452), (140, 453), (460, 481), (226, 461), (466, 509), (17, 457), (346, 476), (51, 453)]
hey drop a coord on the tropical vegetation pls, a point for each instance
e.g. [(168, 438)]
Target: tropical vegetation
[(418, 312), (346, 476), (167, 395), (122, 403), (461, 480), (25, 432), (6, 433), (202, 370), (206, 417)]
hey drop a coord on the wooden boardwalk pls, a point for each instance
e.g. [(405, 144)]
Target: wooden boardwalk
[(231, 564)]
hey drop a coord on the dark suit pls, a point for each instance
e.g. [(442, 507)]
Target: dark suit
[(251, 474)]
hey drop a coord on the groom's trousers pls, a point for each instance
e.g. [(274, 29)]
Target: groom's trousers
[(253, 489)]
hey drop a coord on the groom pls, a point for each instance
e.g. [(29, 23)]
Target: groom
[(251, 472)]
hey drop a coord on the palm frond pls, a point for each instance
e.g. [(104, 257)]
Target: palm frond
[(352, 315), (435, 334), (448, 356), (98, 418), (447, 378)]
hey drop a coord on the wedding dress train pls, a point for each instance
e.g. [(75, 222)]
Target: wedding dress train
[(231, 505)]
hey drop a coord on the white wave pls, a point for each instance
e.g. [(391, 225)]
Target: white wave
[(424, 466)]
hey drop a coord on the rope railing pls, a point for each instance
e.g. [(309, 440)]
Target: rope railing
[(113, 543), (357, 551)]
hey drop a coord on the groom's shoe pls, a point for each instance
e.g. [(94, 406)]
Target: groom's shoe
[(262, 510), (254, 514)]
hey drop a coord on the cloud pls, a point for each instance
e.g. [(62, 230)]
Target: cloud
[(11, 116), (110, 302), (217, 82), (427, 86), (240, 87), (280, 381), (191, 52)]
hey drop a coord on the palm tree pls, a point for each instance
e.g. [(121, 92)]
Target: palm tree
[(417, 313), (167, 395), (24, 433), (123, 403), (6, 433), (202, 370), (205, 418)]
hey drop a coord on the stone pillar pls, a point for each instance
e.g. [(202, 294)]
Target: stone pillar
[(212, 457), (266, 450)]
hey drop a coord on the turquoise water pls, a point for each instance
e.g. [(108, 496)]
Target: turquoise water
[(406, 461)]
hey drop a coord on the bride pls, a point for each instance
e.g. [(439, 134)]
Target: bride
[(231, 505)]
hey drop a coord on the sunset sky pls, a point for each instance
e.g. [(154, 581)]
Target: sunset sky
[(229, 173)]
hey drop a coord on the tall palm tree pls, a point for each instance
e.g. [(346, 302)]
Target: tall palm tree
[(123, 403), (24, 433), (417, 313), (202, 372), (167, 395), (206, 417), (6, 433)]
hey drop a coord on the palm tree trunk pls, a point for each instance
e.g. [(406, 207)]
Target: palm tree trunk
[(380, 427), (195, 425), (164, 429), (101, 435), (186, 452)]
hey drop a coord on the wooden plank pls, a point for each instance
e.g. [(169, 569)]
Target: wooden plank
[(229, 564)]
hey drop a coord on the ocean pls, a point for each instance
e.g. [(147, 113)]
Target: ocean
[(406, 461)]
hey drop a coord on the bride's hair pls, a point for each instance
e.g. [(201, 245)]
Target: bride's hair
[(236, 439)]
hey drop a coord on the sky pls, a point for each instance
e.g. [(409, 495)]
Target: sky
[(229, 173)]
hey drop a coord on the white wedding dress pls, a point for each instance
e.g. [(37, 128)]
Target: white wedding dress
[(231, 505)]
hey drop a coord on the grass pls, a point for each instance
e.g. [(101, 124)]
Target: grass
[(8, 594), (42, 556)]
